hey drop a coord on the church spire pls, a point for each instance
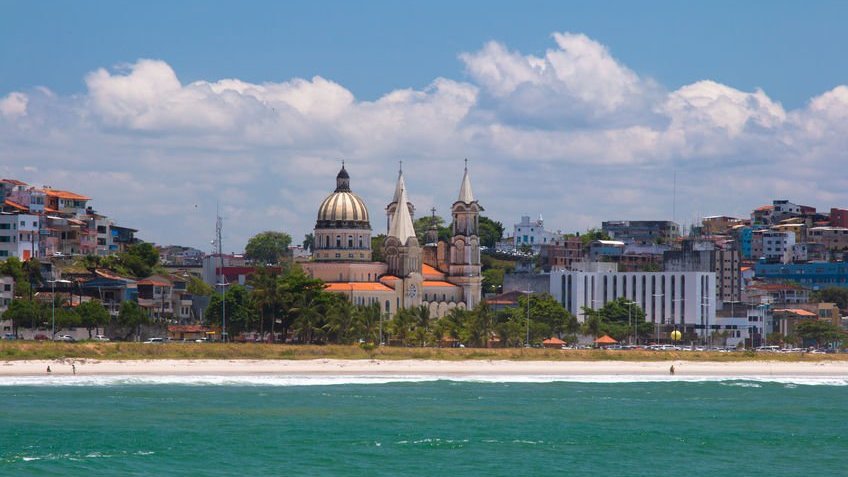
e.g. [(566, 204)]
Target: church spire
[(401, 226), (465, 193), (400, 185)]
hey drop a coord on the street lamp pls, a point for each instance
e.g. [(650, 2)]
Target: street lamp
[(630, 321), (654, 312), (53, 303), (223, 286), (527, 341)]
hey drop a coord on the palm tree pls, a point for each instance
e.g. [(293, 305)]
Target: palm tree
[(368, 321), (341, 321), (265, 296), (422, 323), (402, 324)]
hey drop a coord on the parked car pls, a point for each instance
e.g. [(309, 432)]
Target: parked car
[(9, 336), (101, 338), (67, 338), (154, 341), (41, 338)]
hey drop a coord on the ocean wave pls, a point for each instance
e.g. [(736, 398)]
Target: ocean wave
[(328, 380)]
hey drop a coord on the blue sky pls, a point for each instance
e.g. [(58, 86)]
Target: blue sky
[(581, 111), (790, 49)]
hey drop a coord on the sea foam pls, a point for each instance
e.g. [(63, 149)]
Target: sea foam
[(329, 380)]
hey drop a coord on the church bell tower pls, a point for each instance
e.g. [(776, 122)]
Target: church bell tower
[(464, 269)]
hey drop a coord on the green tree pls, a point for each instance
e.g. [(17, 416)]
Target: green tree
[(265, 297), (493, 280), (309, 242), (268, 247), (301, 295), (836, 295), (93, 315), (377, 247), (402, 326), (196, 286), (617, 318), (591, 235), (547, 318), (24, 313), (476, 326), (237, 311), (369, 317), (490, 232), (342, 321), (131, 317), (421, 330), (819, 331), (423, 224)]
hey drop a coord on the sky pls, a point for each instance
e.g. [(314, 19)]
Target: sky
[(578, 111)]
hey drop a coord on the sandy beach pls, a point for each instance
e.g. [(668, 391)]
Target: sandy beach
[(330, 367)]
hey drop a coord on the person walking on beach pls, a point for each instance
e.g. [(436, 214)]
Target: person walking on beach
[(48, 369), (671, 370), (74, 368)]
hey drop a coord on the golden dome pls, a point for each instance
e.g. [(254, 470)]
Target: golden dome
[(343, 208)]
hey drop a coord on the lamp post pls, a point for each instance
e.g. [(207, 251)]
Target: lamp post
[(53, 304), (223, 286), (527, 339), (654, 312), (630, 321)]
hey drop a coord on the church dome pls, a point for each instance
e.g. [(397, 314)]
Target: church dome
[(343, 208)]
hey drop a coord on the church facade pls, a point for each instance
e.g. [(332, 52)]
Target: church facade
[(440, 275)]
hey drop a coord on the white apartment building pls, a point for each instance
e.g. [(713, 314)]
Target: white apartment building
[(684, 299), (532, 233), (19, 236)]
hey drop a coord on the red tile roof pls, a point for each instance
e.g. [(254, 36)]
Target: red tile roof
[(63, 194), (155, 281), (15, 205), (356, 286)]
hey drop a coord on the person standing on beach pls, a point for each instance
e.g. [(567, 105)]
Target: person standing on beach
[(671, 370), (74, 368), (48, 369)]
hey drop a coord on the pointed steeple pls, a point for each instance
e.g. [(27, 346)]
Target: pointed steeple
[(465, 193), (401, 227), (400, 186)]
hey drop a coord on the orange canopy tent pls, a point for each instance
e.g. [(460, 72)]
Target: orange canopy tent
[(606, 340), (553, 342)]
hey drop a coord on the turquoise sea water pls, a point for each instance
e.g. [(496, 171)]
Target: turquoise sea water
[(457, 428)]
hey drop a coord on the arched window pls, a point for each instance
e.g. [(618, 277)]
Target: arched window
[(326, 241), (388, 306)]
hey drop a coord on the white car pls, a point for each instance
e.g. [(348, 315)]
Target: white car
[(67, 338), (101, 338), (155, 341)]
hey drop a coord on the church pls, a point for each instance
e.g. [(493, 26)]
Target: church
[(441, 275)]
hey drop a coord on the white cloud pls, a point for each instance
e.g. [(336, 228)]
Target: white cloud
[(574, 134), (14, 105)]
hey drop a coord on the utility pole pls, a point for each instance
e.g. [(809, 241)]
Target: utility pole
[(219, 226)]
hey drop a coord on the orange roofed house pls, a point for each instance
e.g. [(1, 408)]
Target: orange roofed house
[(440, 275)]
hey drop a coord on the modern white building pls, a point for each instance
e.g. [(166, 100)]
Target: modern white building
[(532, 233), (685, 300)]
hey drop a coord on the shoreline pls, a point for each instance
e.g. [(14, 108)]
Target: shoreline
[(414, 367)]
